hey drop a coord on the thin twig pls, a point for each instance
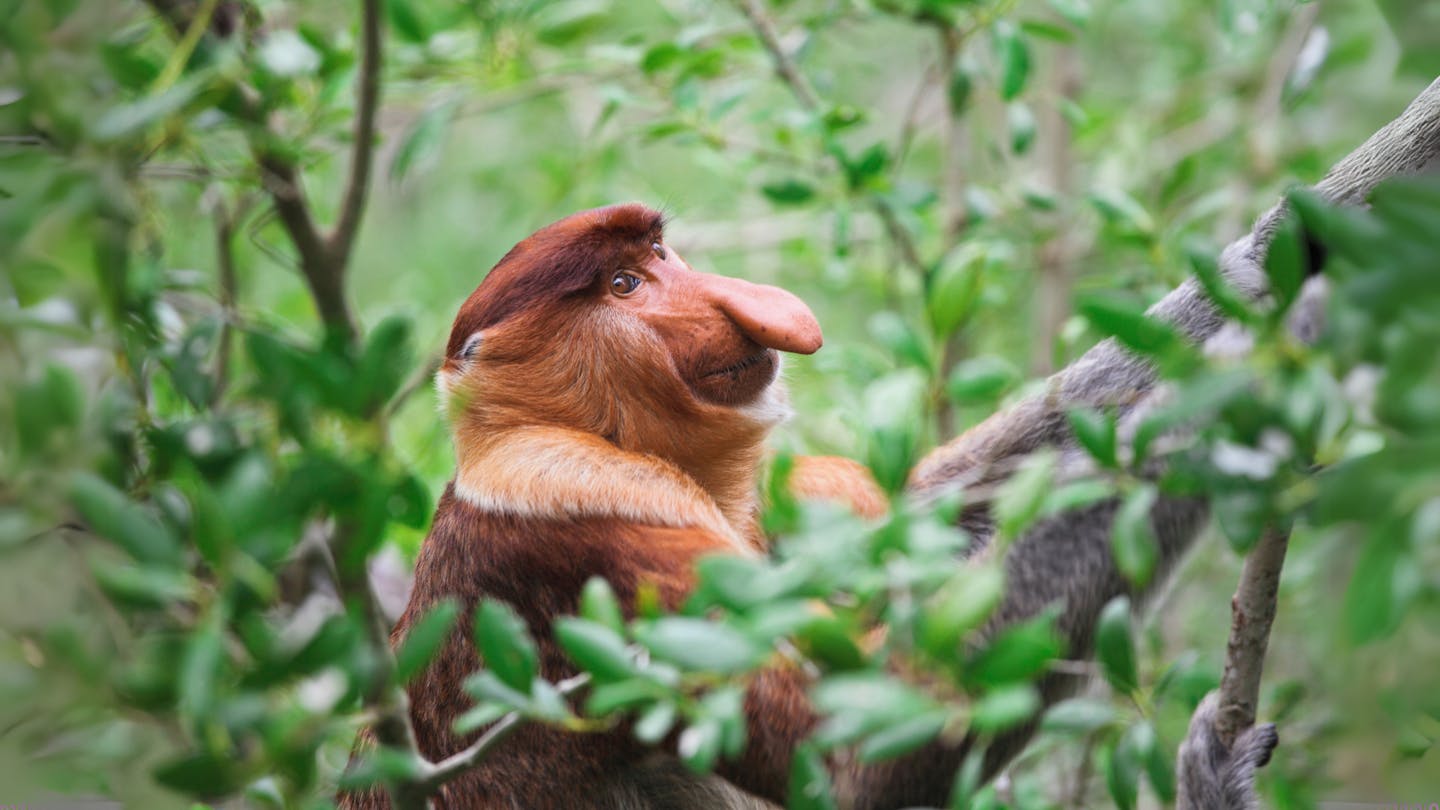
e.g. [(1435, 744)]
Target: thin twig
[(1066, 243), (910, 123), (904, 242), (785, 67), (386, 699), (352, 201), (225, 219), (418, 380), (952, 171), (458, 763), (1252, 611)]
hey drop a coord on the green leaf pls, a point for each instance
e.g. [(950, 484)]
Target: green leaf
[(202, 775), (142, 587), (1114, 647), (1014, 56), (1075, 12), (981, 380), (809, 781), (1128, 323), (1285, 263), (1076, 495), (902, 737), (1133, 538), (826, 640), (1243, 515), (128, 524), (384, 364), (953, 290), (788, 192), (1044, 29), (505, 644), (424, 639), (126, 121), (868, 166), (1373, 603), (562, 22), (200, 665), (1122, 774), (1005, 708), (1155, 759), (661, 56), (1217, 289), (423, 140), (599, 604), (699, 745), (596, 648), (406, 21), (958, 89), (45, 407), (1019, 501), (962, 604), (1096, 433), (621, 695), (1079, 716), (409, 502), (547, 704), (486, 686), (1021, 121), (738, 583), (479, 717), (1017, 654), (696, 644), (655, 722), (1122, 212)]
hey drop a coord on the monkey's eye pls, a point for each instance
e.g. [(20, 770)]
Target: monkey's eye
[(624, 283), (659, 250)]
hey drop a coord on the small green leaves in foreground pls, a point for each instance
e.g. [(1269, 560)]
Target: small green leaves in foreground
[(424, 640), (505, 644), (1133, 537), (1114, 647), (128, 524)]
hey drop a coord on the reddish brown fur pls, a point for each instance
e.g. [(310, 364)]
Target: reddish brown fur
[(621, 453)]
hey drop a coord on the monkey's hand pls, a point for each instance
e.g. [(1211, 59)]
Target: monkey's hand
[(1212, 777)]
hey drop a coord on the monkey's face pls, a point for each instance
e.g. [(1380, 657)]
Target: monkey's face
[(721, 334), (594, 323)]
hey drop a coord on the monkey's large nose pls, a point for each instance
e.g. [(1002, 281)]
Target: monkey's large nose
[(770, 316)]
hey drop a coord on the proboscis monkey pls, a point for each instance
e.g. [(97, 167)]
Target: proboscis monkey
[(609, 407)]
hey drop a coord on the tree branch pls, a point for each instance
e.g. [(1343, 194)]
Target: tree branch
[(1252, 611), (952, 157), (785, 67), (323, 259), (352, 201), (458, 763), (282, 182)]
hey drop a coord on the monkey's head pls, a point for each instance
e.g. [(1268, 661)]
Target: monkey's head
[(594, 323)]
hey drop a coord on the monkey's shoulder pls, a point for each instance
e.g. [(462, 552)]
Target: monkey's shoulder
[(539, 563)]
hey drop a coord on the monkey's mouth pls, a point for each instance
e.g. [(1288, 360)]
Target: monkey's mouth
[(739, 382)]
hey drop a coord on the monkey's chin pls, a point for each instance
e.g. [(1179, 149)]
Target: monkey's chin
[(740, 383)]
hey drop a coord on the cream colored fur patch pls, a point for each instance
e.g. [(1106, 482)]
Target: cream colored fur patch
[(555, 472)]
